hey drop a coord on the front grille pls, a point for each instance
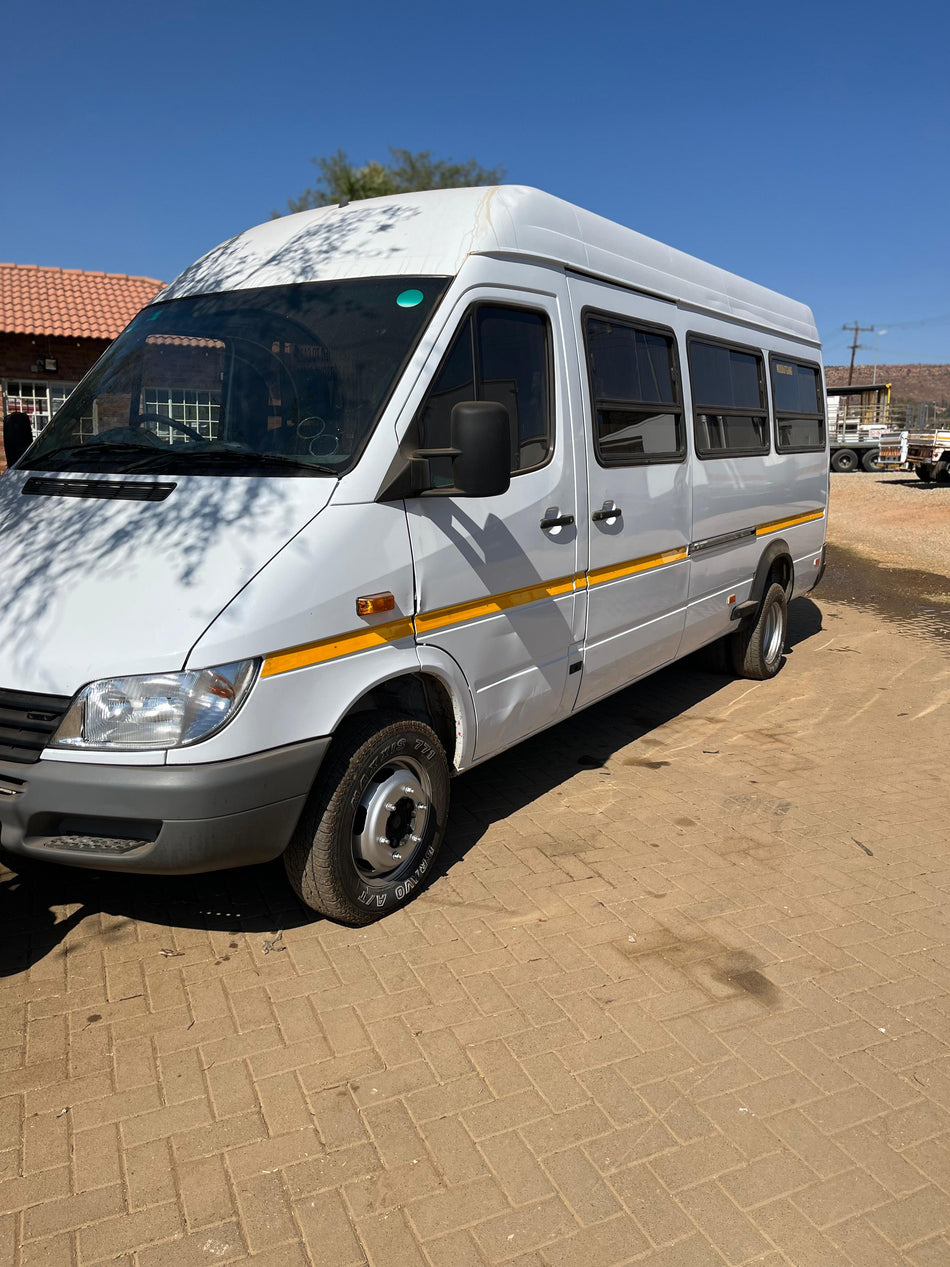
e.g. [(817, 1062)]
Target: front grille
[(27, 723)]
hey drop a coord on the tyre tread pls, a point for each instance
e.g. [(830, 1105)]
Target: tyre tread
[(308, 859), (748, 657)]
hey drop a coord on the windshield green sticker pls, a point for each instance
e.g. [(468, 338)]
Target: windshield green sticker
[(410, 298)]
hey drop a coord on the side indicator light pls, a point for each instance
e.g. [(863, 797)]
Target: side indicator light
[(731, 598), (373, 604)]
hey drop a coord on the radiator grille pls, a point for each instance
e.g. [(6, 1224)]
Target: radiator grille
[(27, 723)]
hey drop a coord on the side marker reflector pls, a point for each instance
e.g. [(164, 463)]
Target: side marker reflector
[(373, 604)]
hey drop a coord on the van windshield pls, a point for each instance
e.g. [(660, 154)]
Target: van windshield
[(283, 380)]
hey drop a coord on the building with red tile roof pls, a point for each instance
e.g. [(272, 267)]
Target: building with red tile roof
[(55, 323)]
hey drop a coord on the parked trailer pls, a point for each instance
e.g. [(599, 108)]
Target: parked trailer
[(858, 419), (928, 454)]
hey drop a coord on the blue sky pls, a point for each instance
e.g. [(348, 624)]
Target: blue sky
[(805, 146)]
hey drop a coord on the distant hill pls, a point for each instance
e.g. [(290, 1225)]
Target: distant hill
[(910, 384)]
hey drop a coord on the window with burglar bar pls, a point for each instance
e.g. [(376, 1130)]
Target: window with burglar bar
[(197, 409), (39, 401)]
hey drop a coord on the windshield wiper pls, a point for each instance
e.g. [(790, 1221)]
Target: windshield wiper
[(252, 461), (172, 459), (61, 459)]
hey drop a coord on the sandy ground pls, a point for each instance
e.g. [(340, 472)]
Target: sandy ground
[(894, 519)]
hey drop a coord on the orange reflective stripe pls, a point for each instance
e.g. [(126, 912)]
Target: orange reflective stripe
[(778, 524), (332, 648), (617, 570), (323, 649), (492, 604)]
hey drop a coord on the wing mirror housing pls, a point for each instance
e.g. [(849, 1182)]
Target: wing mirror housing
[(17, 436), (481, 438), (480, 453)]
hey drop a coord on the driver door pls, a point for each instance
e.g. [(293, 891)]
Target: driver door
[(495, 576)]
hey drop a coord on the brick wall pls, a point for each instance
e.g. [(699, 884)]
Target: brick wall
[(20, 352)]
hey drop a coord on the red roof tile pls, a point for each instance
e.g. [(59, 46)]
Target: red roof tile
[(68, 302)]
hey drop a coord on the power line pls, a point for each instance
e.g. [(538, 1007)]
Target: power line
[(906, 325)]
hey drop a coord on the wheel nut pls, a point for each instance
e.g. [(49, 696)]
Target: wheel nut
[(421, 805), (409, 790), (416, 840), (397, 857), (390, 807), (383, 840)]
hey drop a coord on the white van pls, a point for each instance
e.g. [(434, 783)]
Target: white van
[(366, 496)]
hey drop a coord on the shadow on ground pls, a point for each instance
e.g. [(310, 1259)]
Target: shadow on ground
[(34, 896), (922, 486)]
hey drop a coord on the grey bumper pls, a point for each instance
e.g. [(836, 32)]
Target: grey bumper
[(158, 819)]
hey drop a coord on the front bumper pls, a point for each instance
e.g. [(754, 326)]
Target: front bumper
[(158, 819)]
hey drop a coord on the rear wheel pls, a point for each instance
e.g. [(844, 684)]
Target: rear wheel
[(844, 460), (757, 649), (871, 460), (374, 820), (942, 473), (924, 471)]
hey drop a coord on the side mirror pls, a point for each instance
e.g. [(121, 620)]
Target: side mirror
[(481, 436), (17, 436)]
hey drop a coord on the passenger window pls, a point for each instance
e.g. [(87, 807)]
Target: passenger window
[(796, 398), (729, 409), (499, 354), (635, 394)]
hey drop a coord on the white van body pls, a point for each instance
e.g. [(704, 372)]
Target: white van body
[(492, 626)]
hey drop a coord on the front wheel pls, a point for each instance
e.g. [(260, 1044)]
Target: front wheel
[(757, 650), (374, 820)]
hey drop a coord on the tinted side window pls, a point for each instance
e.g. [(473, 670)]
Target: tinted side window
[(500, 354), (796, 396), (636, 403), (730, 413)]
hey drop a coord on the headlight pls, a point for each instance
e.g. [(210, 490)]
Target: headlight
[(157, 710)]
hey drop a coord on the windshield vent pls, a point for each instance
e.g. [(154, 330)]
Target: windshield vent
[(107, 490), (27, 723)]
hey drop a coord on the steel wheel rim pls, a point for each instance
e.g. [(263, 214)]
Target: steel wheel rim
[(392, 819), (773, 637)]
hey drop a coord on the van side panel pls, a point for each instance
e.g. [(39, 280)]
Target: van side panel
[(637, 573), (752, 499)]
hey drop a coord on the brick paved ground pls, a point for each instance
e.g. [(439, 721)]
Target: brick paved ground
[(679, 997)]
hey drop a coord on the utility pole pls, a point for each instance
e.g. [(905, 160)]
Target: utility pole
[(855, 345)]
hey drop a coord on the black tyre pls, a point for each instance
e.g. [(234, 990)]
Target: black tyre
[(757, 649), (844, 460), (924, 471), (374, 820), (871, 460), (942, 473)]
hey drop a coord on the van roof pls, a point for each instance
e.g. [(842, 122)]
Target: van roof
[(432, 233)]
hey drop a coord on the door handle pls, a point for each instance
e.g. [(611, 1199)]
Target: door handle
[(560, 521), (614, 513)]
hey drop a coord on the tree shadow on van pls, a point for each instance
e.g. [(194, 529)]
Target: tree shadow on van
[(41, 904)]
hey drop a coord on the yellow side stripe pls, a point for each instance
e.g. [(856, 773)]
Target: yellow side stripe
[(493, 603), (333, 648), (778, 524), (311, 653), (617, 570)]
